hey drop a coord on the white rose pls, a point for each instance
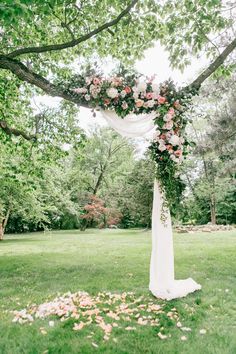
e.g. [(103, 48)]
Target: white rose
[(88, 80), (112, 92), (173, 158), (167, 117), (162, 147), (123, 93), (150, 103), (174, 140), (169, 126), (87, 97)]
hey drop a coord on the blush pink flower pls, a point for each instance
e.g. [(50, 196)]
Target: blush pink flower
[(149, 95), (96, 81), (171, 111), (127, 89), (124, 105), (139, 103), (161, 99), (169, 125), (178, 153), (107, 101)]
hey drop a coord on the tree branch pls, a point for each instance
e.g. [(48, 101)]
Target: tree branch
[(13, 131), (74, 42), (27, 75), (212, 67)]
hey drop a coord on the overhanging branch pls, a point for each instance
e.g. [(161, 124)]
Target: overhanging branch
[(27, 75), (74, 42), (212, 67)]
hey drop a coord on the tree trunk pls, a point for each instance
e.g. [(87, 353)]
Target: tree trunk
[(1, 232), (3, 224), (213, 209)]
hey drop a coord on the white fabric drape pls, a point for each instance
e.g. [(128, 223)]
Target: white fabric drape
[(162, 282)]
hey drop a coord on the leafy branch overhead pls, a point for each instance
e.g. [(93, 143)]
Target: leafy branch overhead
[(39, 39)]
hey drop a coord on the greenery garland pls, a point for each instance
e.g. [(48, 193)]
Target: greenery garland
[(132, 94)]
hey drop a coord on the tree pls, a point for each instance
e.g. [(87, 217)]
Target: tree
[(65, 30), (211, 177)]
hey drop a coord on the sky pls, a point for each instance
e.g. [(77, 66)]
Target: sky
[(155, 62)]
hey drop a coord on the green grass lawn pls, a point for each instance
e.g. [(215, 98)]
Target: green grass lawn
[(36, 267)]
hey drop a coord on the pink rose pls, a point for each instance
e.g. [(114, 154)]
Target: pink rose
[(149, 95), (127, 89), (139, 103), (171, 111), (161, 99), (107, 101), (96, 81), (178, 153)]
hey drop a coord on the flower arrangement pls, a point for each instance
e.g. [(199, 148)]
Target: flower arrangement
[(132, 94)]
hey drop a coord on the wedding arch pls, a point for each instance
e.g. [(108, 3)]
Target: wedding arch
[(134, 107)]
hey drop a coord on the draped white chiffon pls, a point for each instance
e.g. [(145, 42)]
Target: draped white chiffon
[(162, 283)]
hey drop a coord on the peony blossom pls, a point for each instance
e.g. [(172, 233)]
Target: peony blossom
[(139, 103), (174, 140), (112, 92)]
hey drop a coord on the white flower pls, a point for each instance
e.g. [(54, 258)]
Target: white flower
[(155, 88), (80, 90), (169, 125), (135, 95), (150, 103), (202, 331), (87, 97), (167, 117), (156, 135), (123, 93), (112, 92), (142, 86), (88, 80), (162, 147), (173, 158), (174, 140)]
